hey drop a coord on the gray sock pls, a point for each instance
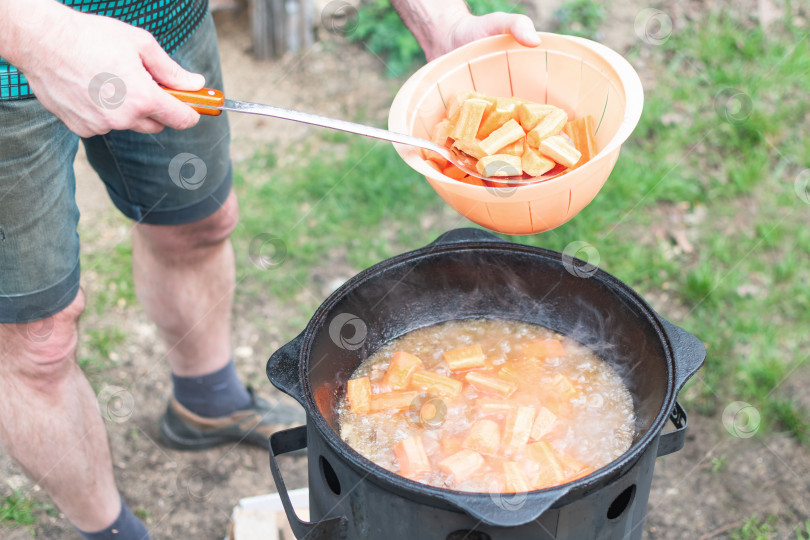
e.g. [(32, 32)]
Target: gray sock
[(217, 394), (125, 527)]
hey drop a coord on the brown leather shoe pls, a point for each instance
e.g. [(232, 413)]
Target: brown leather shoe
[(181, 429)]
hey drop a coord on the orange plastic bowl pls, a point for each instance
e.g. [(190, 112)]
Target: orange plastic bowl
[(581, 76)]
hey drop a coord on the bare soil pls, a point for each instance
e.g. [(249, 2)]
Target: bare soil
[(720, 478)]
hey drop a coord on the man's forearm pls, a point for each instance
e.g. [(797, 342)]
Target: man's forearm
[(430, 20), (21, 25)]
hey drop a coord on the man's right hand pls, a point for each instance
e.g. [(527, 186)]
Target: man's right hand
[(95, 73)]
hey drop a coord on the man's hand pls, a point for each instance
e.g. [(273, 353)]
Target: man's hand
[(470, 28), (440, 27), (94, 73)]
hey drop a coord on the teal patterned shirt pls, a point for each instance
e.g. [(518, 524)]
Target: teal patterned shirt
[(170, 21)]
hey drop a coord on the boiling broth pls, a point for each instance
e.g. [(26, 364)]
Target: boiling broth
[(530, 409)]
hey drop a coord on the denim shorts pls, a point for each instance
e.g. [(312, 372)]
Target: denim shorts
[(169, 178)]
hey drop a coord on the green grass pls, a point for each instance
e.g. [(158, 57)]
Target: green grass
[(17, 510), (755, 528)]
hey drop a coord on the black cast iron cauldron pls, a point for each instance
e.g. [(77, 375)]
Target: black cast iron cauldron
[(469, 273)]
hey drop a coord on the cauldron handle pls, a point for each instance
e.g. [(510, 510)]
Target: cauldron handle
[(465, 234), (689, 353), (507, 509), (672, 441), (282, 369), (291, 440)]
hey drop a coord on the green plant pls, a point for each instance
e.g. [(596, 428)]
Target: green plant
[(754, 528), (381, 30), (802, 530), (718, 463), (581, 18), (18, 510)]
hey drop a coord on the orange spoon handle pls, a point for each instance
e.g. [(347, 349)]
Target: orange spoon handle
[(207, 97)]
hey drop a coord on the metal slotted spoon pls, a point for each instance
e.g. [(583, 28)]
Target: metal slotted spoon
[(211, 102)]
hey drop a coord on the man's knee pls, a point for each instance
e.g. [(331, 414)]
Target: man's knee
[(205, 233), (42, 353)]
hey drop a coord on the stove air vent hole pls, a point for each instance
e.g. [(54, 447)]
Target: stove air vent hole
[(621, 502), (330, 476), (468, 535)]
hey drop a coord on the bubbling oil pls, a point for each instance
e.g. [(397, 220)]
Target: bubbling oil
[(593, 419)]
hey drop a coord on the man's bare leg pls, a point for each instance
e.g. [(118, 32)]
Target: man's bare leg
[(50, 422), (184, 279)]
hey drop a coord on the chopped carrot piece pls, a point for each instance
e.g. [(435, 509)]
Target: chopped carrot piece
[(441, 132), (358, 393), (514, 149), (530, 114), (550, 471), (411, 456), (431, 156), (534, 163), (400, 369), (430, 381), (472, 180), (544, 348), (484, 437), (563, 385), (469, 118), (455, 101), (400, 399), (543, 423), (560, 149), (550, 125), (514, 479), (500, 114), (494, 406), (518, 428), (499, 165), (454, 172), (465, 358), (581, 132), (490, 383), (573, 467), (506, 134), (461, 465), (471, 148), (450, 445)]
